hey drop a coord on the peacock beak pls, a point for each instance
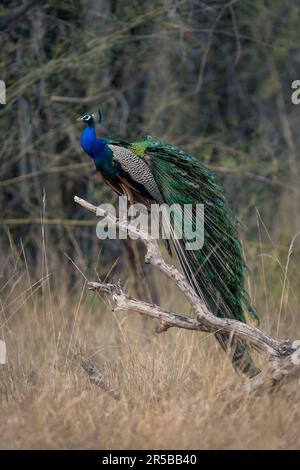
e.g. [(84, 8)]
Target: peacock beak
[(79, 119)]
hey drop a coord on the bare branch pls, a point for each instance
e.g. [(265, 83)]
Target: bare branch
[(122, 302), (283, 356), (97, 378)]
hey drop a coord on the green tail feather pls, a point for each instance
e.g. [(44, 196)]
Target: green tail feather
[(239, 353), (217, 270)]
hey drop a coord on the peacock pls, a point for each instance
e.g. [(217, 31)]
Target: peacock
[(154, 172)]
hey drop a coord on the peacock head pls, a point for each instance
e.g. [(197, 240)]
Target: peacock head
[(90, 118)]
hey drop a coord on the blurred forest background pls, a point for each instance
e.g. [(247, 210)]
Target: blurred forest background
[(211, 76)]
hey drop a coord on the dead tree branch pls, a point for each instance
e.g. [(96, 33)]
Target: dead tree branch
[(283, 356), (97, 378)]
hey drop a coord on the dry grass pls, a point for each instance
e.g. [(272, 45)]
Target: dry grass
[(177, 390)]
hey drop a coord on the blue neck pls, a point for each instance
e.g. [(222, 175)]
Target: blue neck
[(91, 145), (98, 150)]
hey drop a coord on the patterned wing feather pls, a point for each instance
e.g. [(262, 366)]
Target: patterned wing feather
[(138, 170)]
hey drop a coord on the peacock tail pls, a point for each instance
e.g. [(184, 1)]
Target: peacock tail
[(216, 271)]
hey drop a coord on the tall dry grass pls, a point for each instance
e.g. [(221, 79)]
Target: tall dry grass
[(214, 80), (176, 390)]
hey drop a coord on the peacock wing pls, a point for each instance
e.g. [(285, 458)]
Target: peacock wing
[(135, 172)]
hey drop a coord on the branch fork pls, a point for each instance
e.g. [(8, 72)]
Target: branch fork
[(283, 356)]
